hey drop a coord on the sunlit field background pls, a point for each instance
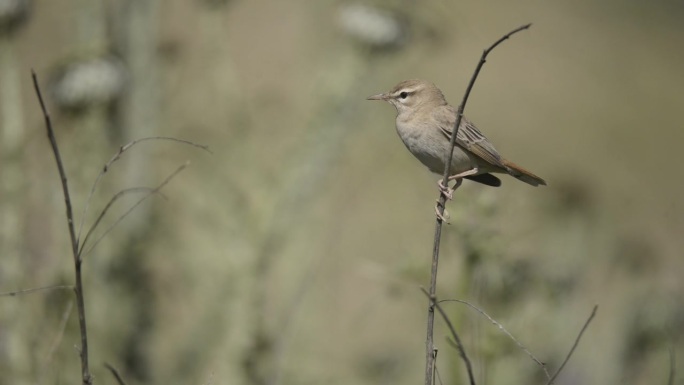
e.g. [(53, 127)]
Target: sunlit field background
[(294, 253)]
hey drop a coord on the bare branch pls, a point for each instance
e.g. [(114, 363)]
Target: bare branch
[(60, 332), (503, 329), (109, 204), (441, 204), (77, 250), (35, 289), (136, 204), (86, 377), (115, 373), (671, 376), (461, 107), (459, 346), (439, 378), (116, 157), (574, 345)]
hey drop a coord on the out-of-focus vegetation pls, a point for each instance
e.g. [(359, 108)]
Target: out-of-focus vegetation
[(293, 254)]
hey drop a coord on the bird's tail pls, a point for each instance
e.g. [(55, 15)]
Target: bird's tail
[(520, 173)]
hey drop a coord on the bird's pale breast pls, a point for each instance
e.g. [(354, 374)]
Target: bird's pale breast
[(427, 143)]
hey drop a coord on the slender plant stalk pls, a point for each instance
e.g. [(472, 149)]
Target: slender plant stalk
[(503, 329), (115, 373), (574, 346), (35, 289), (429, 343), (457, 340), (77, 246), (86, 377)]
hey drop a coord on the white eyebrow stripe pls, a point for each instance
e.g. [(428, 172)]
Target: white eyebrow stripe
[(407, 90)]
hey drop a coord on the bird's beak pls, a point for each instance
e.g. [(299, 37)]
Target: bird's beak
[(378, 97)]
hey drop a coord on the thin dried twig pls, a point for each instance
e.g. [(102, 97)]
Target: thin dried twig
[(574, 345), (116, 157), (439, 378), (461, 107), (503, 329), (60, 333), (36, 289), (86, 377), (429, 359), (459, 345), (56, 341), (671, 377), (136, 204), (76, 247), (436, 372), (109, 205), (115, 373)]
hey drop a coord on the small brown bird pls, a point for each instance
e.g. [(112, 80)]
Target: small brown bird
[(425, 123)]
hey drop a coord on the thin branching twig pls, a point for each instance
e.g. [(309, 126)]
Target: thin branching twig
[(671, 376), (109, 204), (78, 248), (78, 289), (503, 329), (56, 341), (36, 289), (115, 373), (459, 345), (86, 377), (429, 359), (60, 333), (439, 378), (574, 346), (136, 204), (116, 157)]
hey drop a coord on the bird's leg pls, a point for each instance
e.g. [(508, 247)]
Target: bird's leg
[(442, 217), (464, 174), (447, 191)]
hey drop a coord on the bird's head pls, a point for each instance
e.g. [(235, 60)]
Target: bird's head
[(411, 95)]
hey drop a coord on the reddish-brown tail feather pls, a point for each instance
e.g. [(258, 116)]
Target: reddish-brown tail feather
[(522, 174)]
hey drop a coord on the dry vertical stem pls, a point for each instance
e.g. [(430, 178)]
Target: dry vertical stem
[(86, 378), (429, 358), (671, 377), (78, 247), (459, 345)]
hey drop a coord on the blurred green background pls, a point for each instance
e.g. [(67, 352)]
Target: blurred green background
[(294, 253)]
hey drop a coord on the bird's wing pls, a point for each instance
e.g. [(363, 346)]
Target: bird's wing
[(468, 136)]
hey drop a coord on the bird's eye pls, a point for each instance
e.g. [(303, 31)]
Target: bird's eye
[(403, 95)]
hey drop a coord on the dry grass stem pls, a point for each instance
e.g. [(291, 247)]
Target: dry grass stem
[(136, 204), (116, 157), (441, 204), (574, 345), (36, 289), (459, 345), (503, 329), (109, 204), (115, 373), (86, 377), (60, 333)]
